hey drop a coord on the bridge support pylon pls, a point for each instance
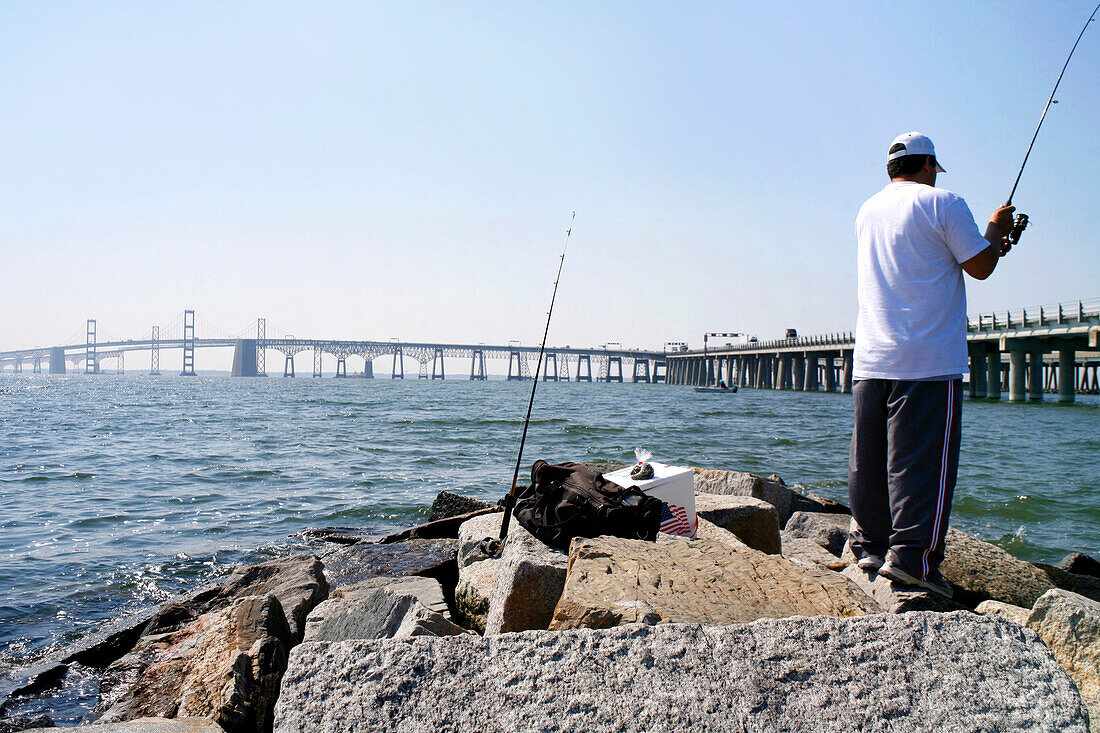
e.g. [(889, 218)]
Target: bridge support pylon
[(398, 371), (978, 374), (188, 344), (586, 360), (1090, 386), (154, 352), (477, 366), (91, 364), (848, 366), (437, 360), (615, 375), (1017, 376), (798, 372), (784, 372), (1035, 375), (641, 371), (993, 374), (261, 347), (317, 362), (550, 358), (288, 366), (516, 357), (244, 358), (1067, 375), (341, 367), (811, 384), (57, 360)]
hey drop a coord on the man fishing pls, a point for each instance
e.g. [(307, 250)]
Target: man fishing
[(915, 241)]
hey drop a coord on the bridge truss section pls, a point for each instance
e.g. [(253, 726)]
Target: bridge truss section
[(154, 352), (261, 347)]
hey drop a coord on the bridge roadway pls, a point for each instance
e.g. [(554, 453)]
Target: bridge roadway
[(1012, 351), (250, 360)]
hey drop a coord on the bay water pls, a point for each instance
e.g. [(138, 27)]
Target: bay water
[(117, 492)]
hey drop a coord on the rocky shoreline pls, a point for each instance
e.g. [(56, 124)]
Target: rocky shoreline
[(761, 623)]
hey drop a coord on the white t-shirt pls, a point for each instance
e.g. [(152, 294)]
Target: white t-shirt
[(912, 299)]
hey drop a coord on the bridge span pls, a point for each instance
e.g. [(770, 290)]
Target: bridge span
[(1027, 352), (607, 363)]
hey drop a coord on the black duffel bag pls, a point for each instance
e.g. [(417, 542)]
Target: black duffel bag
[(570, 500)]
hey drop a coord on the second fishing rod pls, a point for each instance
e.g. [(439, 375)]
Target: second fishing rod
[(492, 547)]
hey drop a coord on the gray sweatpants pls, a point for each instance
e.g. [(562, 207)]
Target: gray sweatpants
[(902, 468)]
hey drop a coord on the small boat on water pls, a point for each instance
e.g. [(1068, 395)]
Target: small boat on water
[(720, 388)]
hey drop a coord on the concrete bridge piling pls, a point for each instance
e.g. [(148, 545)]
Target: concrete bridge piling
[(1027, 353), (808, 365), (1050, 349), (244, 358), (57, 360)]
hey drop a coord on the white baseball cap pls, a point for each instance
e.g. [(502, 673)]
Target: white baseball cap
[(914, 144)]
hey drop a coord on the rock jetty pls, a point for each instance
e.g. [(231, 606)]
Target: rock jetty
[(797, 674), (761, 623)]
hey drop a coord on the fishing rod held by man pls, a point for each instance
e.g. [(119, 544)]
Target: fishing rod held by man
[(1020, 222)]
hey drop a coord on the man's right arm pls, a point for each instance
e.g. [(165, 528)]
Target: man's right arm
[(982, 265)]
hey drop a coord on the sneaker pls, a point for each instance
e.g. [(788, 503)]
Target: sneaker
[(935, 584), (870, 562)]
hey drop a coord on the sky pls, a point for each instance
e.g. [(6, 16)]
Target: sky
[(408, 169)]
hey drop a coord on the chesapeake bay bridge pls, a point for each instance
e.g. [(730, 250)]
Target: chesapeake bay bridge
[(605, 363), (1027, 352)]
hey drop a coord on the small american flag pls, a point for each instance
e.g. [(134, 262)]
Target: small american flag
[(674, 520)]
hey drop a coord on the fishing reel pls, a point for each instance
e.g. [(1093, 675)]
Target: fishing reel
[(490, 547), (1019, 224)]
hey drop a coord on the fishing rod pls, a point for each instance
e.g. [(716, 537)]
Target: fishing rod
[(1020, 222), (493, 547)]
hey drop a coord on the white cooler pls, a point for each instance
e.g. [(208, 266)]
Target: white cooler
[(675, 487)]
